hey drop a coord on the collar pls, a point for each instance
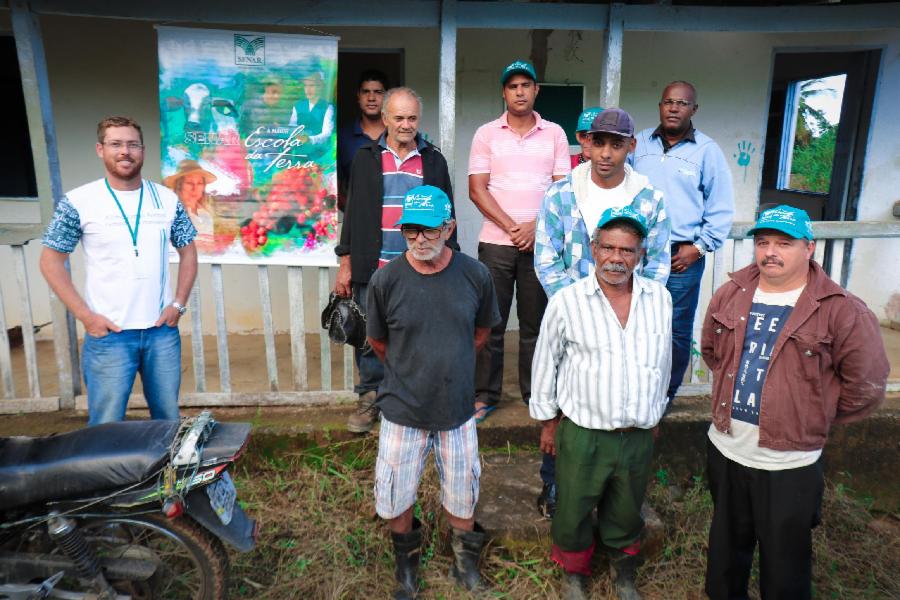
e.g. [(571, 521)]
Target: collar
[(641, 285), (818, 283), (658, 132), (503, 121)]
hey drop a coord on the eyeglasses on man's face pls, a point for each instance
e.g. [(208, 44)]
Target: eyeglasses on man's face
[(411, 232), (668, 102), (117, 145)]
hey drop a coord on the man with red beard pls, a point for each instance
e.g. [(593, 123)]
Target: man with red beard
[(125, 225)]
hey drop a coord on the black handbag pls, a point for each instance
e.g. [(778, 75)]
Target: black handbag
[(345, 321)]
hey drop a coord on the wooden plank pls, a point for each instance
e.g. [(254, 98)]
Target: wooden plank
[(824, 230), (61, 352), (265, 298), (221, 329), (837, 260), (34, 382), (447, 82), (6, 373), (282, 398), (324, 340), (198, 359), (611, 76), (348, 367), (14, 406), (298, 329)]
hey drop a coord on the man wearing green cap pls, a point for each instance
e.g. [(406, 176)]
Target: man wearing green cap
[(513, 161), (429, 311), (791, 353), (585, 119), (601, 369)]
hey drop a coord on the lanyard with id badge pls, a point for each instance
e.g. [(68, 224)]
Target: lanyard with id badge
[(139, 271)]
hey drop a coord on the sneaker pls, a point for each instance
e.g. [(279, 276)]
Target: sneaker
[(546, 502), (366, 414)]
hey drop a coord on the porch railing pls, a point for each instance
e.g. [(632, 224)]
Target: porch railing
[(835, 254)]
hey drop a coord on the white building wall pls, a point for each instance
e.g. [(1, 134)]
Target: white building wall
[(99, 67)]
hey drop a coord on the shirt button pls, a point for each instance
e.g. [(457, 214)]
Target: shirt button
[(719, 330), (723, 404), (743, 289), (808, 353), (742, 318), (729, 376)]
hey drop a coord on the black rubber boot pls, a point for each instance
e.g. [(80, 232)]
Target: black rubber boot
[(407, 551), (622, 571), (466, 554)]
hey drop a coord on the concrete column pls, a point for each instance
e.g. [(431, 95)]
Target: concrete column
[(611, 78), (447, 85)]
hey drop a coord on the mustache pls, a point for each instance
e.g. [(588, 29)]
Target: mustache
[(614, 268), (772, 261)]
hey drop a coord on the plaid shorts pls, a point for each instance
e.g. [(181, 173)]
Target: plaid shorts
[(401, 459)]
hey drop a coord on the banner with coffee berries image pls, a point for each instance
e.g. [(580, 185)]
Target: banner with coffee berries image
[(248, 142)]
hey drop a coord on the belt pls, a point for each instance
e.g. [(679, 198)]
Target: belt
[(624, 429)]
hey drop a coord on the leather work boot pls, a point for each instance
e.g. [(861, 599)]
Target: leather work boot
[(407, 550), (466, 554), (622, 569), (574, 586), (546, 502), (366, 414)]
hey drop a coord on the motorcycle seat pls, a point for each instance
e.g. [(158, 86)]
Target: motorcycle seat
[(69, 465)]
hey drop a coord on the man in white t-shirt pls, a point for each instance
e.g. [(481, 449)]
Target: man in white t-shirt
[(125, 225), (791, 353)]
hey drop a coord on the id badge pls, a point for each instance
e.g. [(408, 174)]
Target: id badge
[(140, 268)]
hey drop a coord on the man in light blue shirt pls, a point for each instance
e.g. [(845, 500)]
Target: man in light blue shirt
[(691, 171)]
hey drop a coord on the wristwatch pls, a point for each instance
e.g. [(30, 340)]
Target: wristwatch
[(700, 248), (181, 309)]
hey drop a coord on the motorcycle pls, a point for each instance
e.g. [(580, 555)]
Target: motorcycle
[(135, 510)]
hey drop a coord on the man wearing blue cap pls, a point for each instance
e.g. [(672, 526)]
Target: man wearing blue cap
[(563, 233), (692, 172), (429, 312), (791, 353), (513, 161), (601, 369)]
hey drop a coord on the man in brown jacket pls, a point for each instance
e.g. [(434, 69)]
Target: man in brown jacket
[(791, 352)]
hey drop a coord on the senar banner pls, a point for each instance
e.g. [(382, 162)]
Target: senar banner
[(248, 142)]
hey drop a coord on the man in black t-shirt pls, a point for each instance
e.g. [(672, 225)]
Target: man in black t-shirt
[(429, 311)]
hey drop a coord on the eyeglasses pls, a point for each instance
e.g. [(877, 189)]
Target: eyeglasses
[(679, 103), (430, 233), (132, 146)]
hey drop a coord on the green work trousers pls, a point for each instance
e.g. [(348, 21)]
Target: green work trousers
[(608, 470)]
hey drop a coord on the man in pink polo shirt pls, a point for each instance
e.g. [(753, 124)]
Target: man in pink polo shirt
[(513, 161)]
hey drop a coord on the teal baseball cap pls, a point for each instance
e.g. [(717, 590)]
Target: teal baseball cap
[(425, 205), (624, 213), (586, 118), (786, 219), (519, 67)]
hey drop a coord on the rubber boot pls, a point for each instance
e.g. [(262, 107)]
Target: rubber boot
[(574, 586), (407, 551), (366, 414), (466, 554), (622, 568)]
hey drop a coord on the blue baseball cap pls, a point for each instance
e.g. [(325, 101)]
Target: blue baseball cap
[(586, 118), (786, 219), (425, 205), (519, 67), (624, 213)]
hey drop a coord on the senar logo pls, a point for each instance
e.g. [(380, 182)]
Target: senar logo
[(249, 50)]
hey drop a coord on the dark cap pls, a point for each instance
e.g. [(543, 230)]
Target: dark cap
[(615, 121)]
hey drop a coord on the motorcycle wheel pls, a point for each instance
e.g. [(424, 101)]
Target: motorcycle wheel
[(191, 563)]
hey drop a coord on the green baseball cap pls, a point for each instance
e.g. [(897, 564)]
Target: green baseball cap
[(786, 219), (586, 118), (519, 67), (624, 213), (425, 205)]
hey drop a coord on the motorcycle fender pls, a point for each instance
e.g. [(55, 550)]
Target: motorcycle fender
[(240, 533)]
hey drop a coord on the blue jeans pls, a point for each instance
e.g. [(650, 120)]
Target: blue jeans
[(371, 371), (685, 290), (111, 362)]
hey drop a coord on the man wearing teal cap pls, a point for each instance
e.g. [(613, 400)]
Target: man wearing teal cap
[(513, 161), (601, 369), (429, 311), (585, 120), (791, 354)]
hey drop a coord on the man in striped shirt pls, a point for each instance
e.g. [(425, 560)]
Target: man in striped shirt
[(601, 370)]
